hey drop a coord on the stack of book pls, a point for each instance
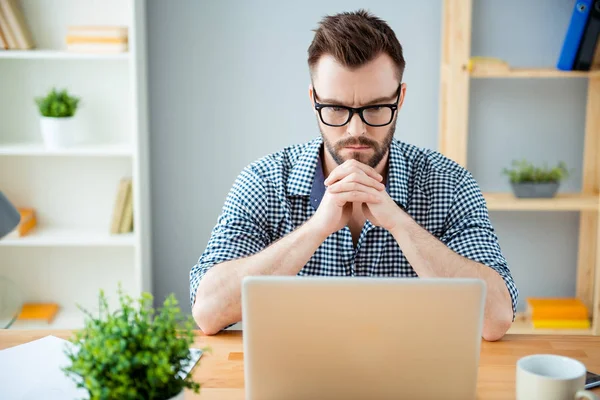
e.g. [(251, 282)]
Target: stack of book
[(97, 39), (122, 221), (14, 32), (558, 313), (580, 50)]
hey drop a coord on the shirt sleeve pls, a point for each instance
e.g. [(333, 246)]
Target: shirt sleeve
[(240, 229), (469, 232)]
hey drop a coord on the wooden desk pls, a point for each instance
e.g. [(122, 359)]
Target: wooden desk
[(221, 372)]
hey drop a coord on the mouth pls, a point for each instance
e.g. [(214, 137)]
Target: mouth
[(357, 148)]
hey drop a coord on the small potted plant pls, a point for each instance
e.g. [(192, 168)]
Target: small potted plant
[(530, 181), (57, 110), (134, 352)]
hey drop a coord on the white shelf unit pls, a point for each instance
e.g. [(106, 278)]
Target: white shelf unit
[(37, 149), (57, 237), (71, 254), (46, 54)]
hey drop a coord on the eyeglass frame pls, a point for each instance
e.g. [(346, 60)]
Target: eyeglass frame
[(359, 110)]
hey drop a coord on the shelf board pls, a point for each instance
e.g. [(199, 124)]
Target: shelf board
[(56, 237), (48, 54), (65, 319), (522, 325), (93, 150), (534, 73), (562, 202)]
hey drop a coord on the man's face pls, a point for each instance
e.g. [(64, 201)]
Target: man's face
[(373, 83)]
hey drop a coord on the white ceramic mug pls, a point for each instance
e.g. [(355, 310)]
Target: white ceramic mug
[(551, 377)]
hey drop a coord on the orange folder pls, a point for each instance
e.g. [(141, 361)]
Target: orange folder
[(38, 311)]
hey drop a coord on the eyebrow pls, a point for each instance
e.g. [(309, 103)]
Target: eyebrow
[(379, 100)]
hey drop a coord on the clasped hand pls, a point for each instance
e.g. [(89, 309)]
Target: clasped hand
[(355, 182)]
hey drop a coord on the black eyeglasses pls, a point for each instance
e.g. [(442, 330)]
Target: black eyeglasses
[(373, 115)]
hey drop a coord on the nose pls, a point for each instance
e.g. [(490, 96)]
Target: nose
[(356, 126)]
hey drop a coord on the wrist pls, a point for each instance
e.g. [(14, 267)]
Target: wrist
[(314, 230), (400, 222)]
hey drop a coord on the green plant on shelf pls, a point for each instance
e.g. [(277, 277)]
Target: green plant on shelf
[(523, 171), (57, 104), (134, 352)]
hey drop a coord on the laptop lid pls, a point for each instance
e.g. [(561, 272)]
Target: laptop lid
[(359, 338)]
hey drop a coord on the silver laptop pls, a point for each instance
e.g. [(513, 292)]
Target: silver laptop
[(361, 338)]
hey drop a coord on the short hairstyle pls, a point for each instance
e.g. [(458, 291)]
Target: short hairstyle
[(354, 39)]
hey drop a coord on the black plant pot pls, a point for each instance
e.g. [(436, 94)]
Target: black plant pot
[(530, 190)]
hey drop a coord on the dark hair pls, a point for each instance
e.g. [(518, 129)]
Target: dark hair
[(354, 39)]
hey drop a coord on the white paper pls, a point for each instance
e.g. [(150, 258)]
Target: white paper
[(33, 371)]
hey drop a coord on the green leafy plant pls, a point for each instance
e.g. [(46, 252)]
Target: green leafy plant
[(135, 352), (57, 104), (525, 172)]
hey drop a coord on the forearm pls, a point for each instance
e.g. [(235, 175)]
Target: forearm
[(431, 258), (218, 298)]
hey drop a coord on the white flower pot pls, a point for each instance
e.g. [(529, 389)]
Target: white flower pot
[(178, 396), (57, 132)]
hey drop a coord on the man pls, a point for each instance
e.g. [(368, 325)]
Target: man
[(355, 201)]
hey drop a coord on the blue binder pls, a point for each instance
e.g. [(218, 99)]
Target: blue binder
[(579, 17)]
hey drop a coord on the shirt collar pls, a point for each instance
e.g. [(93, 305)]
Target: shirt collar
[(307, 178), (302, 175)]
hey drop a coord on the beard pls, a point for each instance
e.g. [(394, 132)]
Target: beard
[(379, 149)]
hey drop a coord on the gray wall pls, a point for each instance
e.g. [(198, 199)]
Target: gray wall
[(228, 84)]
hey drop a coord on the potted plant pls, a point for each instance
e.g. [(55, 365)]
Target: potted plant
[(57, 110), (134, 352), (530, 181)]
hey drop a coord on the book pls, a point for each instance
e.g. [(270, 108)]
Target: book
[(98, 47), (556, 308), (3, 42), (16, 21), (91, 31), (127, 219), (6, 31), (579, 17), (120, 205), (38, 311), (97, 39), (587, 47), (561, 324), (478, 64)]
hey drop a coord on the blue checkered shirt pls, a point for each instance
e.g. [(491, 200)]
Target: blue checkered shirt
[(276, 194)]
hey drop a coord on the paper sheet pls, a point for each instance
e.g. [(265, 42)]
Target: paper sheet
[(33, 371)]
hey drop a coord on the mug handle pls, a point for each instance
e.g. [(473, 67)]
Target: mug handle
[(585, 395)]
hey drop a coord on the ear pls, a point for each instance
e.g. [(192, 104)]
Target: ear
[(402, 95), (310, 96)]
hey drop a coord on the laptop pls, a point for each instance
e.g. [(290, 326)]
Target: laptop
[(361, 338)]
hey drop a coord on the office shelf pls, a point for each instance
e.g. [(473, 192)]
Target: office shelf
[(50, 54), (562, 202), (65, 319), (93, 150), (71, 254), (534, 73), (458, 67), (523, 325), (68, 237)]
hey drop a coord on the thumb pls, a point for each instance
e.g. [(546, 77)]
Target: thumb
[(367, 212)]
